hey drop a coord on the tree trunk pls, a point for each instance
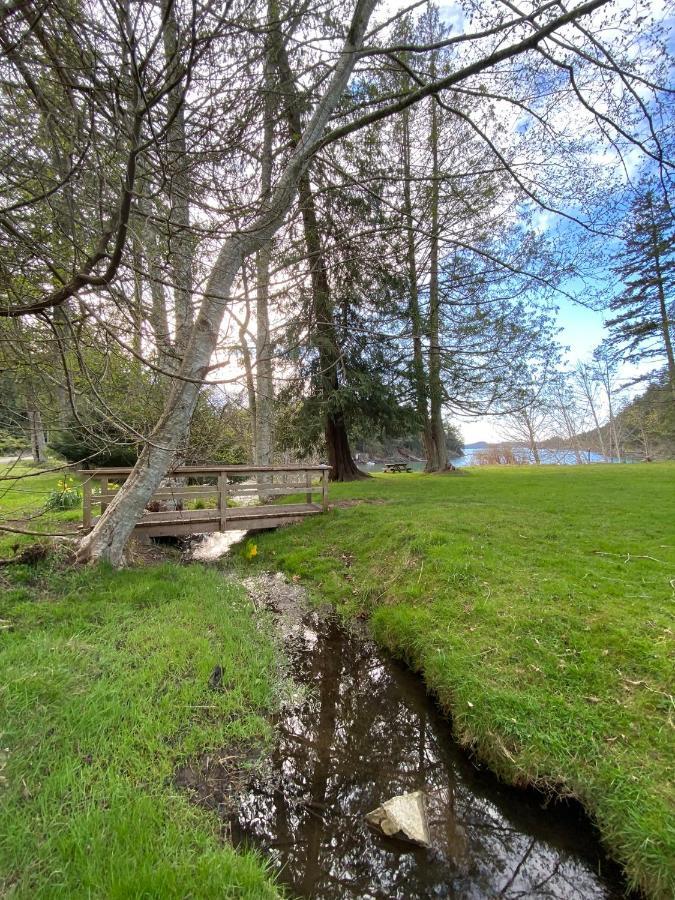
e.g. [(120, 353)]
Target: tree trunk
[(264, 379), (561, 390), (663, 308), (111, 533), (340, 459), (59, 325), (137, 304), (584, 377), (248, 366), (159, 316), (180, 242), (614, 435), (437, 458), (613, 431), (420, 380), (264, 407), (533, 446), (38, 440), (577, 453)]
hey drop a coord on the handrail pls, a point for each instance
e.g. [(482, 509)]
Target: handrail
[(222, 489), (210, 469)]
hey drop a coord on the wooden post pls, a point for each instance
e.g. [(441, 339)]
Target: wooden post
[(103, 487), (222, 499), (86, 504), (308, 482), (324, 489)]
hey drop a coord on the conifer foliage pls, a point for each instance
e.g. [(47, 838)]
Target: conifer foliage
[(643, 323)]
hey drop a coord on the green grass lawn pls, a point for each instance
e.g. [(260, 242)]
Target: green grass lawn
[(24, 492), (104, 691), (538, 604)]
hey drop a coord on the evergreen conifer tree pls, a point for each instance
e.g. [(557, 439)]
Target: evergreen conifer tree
[(643, 324)]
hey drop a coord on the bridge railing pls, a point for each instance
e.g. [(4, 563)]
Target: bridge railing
[(238, 483)]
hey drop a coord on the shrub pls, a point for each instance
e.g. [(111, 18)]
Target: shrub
[(66, 496), (12, 443), (497, 456), (99, 445)]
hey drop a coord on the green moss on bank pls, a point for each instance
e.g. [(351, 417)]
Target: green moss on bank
[(538, 604)]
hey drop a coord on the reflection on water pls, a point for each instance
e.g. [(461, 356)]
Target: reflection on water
[(367, 731)]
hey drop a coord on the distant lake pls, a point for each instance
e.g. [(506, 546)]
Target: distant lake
[(522, 454), (547, 457)]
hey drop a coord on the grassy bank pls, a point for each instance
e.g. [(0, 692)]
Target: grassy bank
[(104, 690), (538, 605)]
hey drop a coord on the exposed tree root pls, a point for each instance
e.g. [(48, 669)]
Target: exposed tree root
[(28, 556)]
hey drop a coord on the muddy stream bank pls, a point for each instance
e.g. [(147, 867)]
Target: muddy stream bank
[(364, 729)]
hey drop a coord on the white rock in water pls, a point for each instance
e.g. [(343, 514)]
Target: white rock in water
[(404, 817)]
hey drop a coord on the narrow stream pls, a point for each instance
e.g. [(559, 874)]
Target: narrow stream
[(366, 731)]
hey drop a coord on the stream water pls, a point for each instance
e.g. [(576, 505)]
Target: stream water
[(366, 730)]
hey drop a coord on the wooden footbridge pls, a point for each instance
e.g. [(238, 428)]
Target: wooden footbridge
[(194, 499)]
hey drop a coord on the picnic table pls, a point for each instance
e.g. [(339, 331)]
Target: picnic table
[(397, 467)]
